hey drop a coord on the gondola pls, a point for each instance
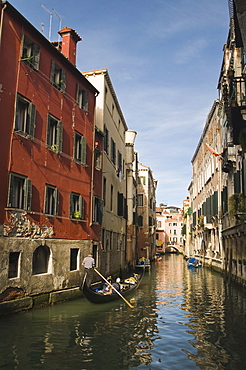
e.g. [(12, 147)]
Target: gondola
[(94, 294)]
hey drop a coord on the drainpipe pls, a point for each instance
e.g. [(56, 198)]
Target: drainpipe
[(1, 23)]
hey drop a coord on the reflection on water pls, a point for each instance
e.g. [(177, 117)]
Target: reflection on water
[(183, 319)]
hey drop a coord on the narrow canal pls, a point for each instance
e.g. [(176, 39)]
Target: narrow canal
[(183, 319)]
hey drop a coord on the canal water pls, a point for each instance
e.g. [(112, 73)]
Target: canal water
[(183, 319)]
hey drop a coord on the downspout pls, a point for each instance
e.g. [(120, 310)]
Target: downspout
[(1, 23)]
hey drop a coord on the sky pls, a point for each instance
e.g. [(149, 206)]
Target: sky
[(163, 58)]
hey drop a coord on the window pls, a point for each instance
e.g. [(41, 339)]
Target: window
[(14, 258), (115, 241), (113, 151), (142, 180), (51, 200), (119, 169), (175, 232), (79, 148), (25, 116), (57, 77), (111, 241), (102, 246), (30, 53), (140, 221), (82, 98), (121, 206), (151, 203), (74, 259), (111, 197), (140, 200), (98, 210), (76, 206), (98, 159), (104, 190), (106, 139), (54, 134), (20, 192), (40, 260)]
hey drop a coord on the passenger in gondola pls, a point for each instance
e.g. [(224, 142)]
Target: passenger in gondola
[(117, 286), (106, 287)]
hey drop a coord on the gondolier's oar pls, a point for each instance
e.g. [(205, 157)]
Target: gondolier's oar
[(113, 288)]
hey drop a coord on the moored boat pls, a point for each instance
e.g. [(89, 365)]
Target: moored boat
[(193, 262), (95, 293)]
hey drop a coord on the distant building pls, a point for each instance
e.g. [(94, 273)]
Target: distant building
[(169, 227), (146, 202)]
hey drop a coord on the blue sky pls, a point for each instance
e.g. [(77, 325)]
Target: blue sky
[(164, 59)]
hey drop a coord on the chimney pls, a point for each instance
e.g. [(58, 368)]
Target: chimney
[(69, 41)]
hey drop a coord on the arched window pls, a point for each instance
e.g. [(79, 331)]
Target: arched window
[(40, 260)]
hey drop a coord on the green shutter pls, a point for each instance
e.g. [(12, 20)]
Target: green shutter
[(83, 150), (16, 111), (63, 81), (11, 183), (31, 119), (48, 132), (36, 56), (81, 207), (59, 135), (77, 94), (56, 205), (71, 205), (52, 72), (27, 195), (85, 100)]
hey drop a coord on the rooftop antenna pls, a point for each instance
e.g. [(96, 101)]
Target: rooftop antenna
[(40, 24), (51, 14), (60, 18)]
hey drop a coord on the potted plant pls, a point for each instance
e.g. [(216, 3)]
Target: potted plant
[(76, 214)]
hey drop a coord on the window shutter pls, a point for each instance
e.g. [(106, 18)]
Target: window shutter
[(52, 72), (16, 111), (10, 198), (100, 212), (48, 132), (36, 56), (81, 207), (63, 81), (83, 150), (59, 136), (31, 119), (56, 202), (237, 187), (28, 195), (77, 93), (85, 101), (71, 205), (120, 204)]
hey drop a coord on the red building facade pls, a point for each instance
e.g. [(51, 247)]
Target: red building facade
[(50, 167)]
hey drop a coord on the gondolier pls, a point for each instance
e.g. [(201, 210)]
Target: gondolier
[(89, 264)]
